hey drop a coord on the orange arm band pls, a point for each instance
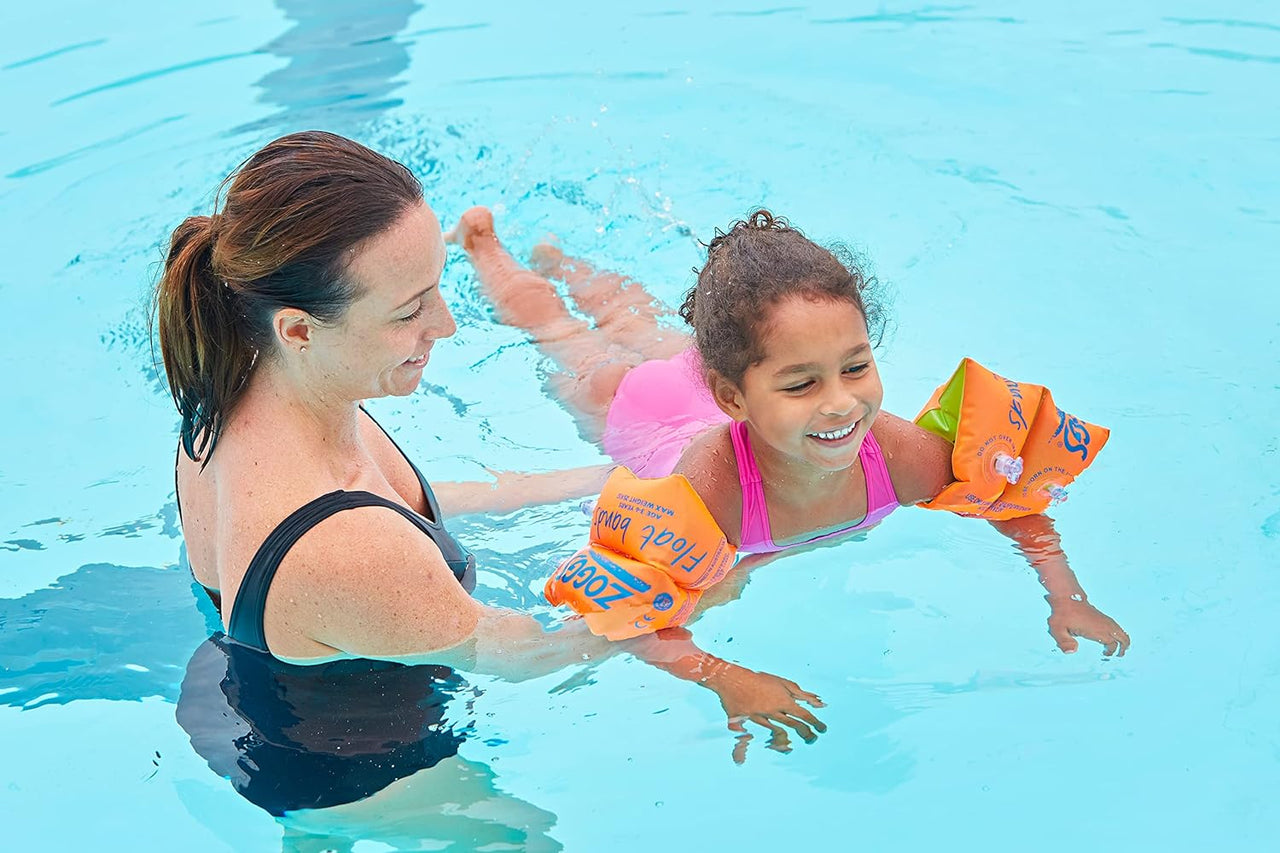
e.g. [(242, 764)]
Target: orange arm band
[(654, 548), (1014, 450)]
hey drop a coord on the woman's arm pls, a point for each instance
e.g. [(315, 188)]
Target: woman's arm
[(512, 490), (366, 583), (514, 646)]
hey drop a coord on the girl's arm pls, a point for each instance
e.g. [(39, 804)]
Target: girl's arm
[(920, 467), (1070, 613), (767, 700)]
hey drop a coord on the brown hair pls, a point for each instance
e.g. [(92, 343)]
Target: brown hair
[(755, 263), (293, 212)]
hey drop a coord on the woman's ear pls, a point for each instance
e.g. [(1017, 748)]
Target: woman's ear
[(727, 396), (293, 329)]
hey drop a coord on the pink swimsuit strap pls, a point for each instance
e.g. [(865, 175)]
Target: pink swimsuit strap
[(757, 536)]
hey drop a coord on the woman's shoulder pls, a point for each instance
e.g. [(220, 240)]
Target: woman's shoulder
[(919, 462), (711, 467), (367, 582), (360, 581)]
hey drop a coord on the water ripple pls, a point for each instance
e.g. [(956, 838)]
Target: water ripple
[(51, 54), (45, 165), (148, 75), (431, 31), (1223, 22), (568, 75), (759, 13), (1219, 53), (924, 15)]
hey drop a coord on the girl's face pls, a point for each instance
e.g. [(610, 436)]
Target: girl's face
[(813, 396), (381, 345)]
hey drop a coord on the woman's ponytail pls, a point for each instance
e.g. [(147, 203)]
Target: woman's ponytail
[(202, 341)]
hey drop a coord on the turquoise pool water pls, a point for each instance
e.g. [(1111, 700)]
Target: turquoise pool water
[(1085, 196)]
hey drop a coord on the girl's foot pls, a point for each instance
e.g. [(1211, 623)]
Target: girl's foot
[(548, 259), (474, 226)]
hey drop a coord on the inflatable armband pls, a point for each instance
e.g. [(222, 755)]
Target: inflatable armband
[(654, 548), (1014, 450)]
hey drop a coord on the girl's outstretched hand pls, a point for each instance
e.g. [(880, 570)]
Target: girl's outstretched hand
[(1072, 617), (767, 700)]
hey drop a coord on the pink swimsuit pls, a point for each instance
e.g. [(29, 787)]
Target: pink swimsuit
[(757, 536), (661, 405)]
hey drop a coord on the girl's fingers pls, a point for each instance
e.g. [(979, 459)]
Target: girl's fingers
[(1063, 638), (801, 727), (800, 693), (779, 741), (808, 717), (740, 742), (1119, 634)]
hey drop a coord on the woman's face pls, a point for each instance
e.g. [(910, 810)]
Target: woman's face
[(382, 343)]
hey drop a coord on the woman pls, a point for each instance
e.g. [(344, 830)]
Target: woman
[(314, 288)]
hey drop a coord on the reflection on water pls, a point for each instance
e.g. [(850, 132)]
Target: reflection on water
[(341, 67), (102, 632), (455, 806)]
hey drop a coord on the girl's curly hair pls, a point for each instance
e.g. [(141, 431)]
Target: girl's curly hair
[(758, 261)]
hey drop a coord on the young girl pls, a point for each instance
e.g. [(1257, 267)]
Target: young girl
[(773, 414)]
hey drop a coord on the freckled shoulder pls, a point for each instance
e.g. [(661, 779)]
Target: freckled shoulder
[(368, 583), (919, 462), (711, 467)]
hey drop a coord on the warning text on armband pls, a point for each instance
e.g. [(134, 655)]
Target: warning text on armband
[(644, 508), (996, 505)]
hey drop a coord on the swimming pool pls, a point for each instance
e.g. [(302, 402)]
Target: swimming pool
[(1083, 196)]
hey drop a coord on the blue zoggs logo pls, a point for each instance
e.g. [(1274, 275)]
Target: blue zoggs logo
[(1075, 434)]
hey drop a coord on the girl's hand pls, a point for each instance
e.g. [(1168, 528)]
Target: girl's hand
[(766, 700), (1072, 617)]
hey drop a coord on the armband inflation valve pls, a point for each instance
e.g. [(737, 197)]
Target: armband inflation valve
[(1014, 451)]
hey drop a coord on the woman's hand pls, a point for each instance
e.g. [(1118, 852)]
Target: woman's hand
[(766, 700), (1074, 616)]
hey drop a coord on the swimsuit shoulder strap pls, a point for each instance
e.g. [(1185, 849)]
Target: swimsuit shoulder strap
[(246, 622), (432, 507), (458, 557), (756, 533), (880, 491)]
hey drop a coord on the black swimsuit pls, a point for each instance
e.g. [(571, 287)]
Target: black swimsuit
[(245, 624), (294, 736)]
